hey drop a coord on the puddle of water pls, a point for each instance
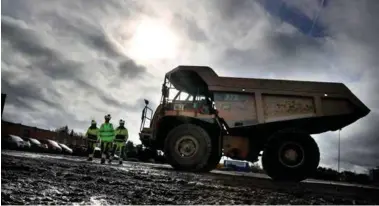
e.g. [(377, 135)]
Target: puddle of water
[(98, 200), (94, 200), (51, 190), (41, 155)]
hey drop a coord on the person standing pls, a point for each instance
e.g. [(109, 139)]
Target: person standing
[(106, 133), (119, 142), (93, 138)]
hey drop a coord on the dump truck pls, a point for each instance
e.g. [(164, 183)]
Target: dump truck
[(202, 117)]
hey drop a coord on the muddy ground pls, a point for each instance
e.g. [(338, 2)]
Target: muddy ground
[(40, 179)]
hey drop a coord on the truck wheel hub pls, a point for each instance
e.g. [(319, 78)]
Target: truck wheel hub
[(291, 154), (187, 146)]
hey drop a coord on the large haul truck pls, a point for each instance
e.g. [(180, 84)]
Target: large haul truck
[(209, 116)]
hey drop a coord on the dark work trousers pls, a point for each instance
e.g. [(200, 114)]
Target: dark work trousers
[(119, 147), (105, 147), (90, 147)]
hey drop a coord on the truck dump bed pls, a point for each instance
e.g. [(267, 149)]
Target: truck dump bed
[(250, 103)]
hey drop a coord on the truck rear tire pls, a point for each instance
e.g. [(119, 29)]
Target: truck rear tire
[(188, 147), (290, 156)]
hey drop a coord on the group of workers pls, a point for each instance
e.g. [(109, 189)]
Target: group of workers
[(111, 140)]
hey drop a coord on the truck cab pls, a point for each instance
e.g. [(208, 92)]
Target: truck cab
[(175, 104)]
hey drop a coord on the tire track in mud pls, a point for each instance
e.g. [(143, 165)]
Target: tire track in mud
[(44, 181)]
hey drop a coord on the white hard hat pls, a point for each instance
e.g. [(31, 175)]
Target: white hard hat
[(93, 122), (108, 116), (122, 121)]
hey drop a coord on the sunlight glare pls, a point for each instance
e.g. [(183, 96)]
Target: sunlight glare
[(152, 40)]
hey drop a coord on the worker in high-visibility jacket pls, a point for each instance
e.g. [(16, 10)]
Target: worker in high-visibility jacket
[(106, 133), (93, 138), (119, 142)]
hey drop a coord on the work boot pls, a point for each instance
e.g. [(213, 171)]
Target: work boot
[(90, 156), (120, 162), (109, 157), (102, 158)]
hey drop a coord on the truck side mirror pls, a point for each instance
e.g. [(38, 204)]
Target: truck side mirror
[(165, 91), (143, 113), (146, 101)]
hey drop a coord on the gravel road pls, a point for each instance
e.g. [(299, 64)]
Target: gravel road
[(48, 179)]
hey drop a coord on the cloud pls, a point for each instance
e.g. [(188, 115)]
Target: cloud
[(24, 92), (59, 72), (65, 62), (349, 55), (130, 69), (190, 27)]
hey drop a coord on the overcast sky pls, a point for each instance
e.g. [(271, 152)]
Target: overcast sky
[(66, 62)]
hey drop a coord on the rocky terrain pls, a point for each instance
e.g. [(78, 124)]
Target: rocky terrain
[(40, 179)]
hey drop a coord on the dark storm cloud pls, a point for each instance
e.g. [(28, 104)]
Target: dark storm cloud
[(105, 97), (59, 68), (278, 47), (51, 63), (22, 38), (116, 103), (235, 17), (15, 8), (80, 30), (36, 42), (85, 32), (282, 55), (292, 45), (232, 10), (357, 149), (129, 68), (362, 148), (42, 57), (239, 56), (355, 20), (349, 55), (189, 27), (101, 43), (24, 94), (295, 16), (353, 30), (109, 100), (95, 38)]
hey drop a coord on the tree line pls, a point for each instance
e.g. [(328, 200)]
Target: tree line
[(67, 131)]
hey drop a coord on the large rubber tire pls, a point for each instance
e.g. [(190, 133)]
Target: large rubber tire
[(200, 158), (280, 171), (213, 160)]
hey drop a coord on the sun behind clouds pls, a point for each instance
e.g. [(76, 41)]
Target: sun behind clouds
[(152, 40)]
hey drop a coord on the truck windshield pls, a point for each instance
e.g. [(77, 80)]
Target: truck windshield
[(172, 95), (177, 95)]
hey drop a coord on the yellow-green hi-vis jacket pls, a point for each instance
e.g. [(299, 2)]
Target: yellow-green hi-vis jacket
[(121, 134), (92, 134)]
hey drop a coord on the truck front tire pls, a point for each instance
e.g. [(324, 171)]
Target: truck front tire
[(213, 160), (188, 147), (290, 156)]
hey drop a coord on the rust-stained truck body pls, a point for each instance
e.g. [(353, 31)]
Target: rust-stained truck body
[(241, 117)]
